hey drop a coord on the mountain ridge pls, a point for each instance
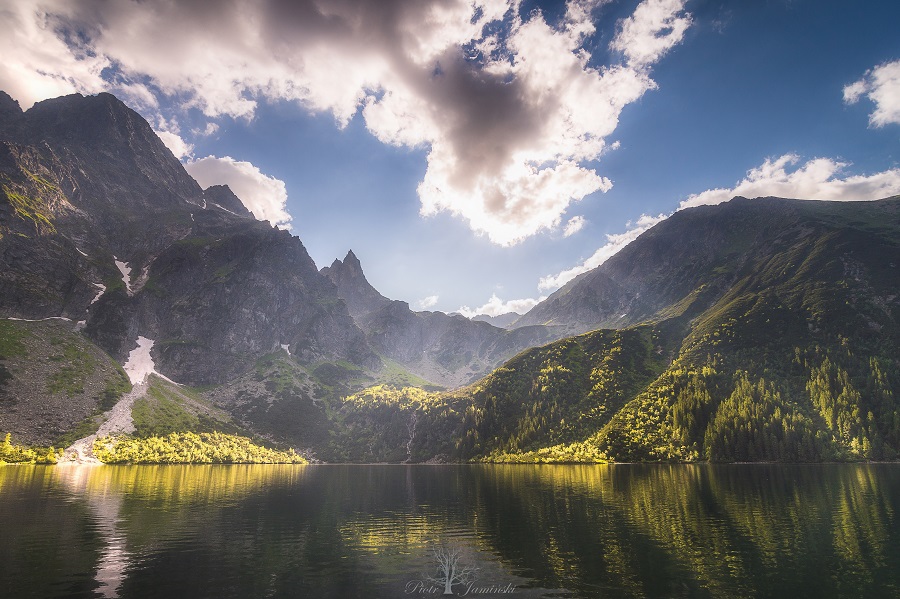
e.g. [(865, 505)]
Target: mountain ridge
[(449, 350), (764, 329), (96, 194)]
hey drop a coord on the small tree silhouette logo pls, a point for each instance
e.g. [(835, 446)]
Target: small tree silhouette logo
[(450, 570)]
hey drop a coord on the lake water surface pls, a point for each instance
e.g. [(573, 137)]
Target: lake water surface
[(513, 531)]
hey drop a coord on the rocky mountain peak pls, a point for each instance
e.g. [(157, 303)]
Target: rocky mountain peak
[(222, 196), (9, 108), (352, 263), (353, 287)]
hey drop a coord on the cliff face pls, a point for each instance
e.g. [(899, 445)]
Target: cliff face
[(100, 223), (353, 287)]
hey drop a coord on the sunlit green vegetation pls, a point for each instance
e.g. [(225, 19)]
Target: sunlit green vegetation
[(28, 201), (728, 393), (12, 337), (168, 408), (571, 453), (29, 209), (20, 454), (190, 448)]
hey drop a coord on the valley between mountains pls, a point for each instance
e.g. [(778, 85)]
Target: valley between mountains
[(136, 304)]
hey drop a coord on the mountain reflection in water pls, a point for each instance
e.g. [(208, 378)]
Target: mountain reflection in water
[(383, 531)]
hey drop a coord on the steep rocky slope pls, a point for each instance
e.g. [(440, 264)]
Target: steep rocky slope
[(762, 329), (52, 380), (100, 223)]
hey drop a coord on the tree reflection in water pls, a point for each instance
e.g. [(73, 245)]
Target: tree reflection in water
[(353, 531)]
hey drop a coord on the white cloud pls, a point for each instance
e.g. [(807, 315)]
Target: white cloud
[(263, 195), (174, 142), (654, 28), (614, 243), (817, 179), (575, 224), (881, 85), (496, 306), (427, 302), (509, 115), (210, 129)]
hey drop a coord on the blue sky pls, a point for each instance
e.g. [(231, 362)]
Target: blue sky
[(507, 112)]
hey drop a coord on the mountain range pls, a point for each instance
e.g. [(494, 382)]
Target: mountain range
[(763, 329)]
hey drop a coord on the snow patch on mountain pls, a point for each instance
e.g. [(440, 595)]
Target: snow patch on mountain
[(40, 319), (102, 288), (140, 365), (126, 273), (224, 208)]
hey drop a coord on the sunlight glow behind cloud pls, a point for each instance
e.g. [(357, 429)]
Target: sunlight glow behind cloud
[(508, 107)]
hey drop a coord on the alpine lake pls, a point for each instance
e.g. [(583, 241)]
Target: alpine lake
[(393, 531)]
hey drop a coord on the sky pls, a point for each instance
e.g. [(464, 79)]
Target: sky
[(478, 154)]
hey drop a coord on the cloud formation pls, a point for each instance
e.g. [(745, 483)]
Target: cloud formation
[(180, 148), (508, 106), (881, 85), (497, 307), (575, 224), (816, 179), (426, 303), (614, 243), (41, 59), (651, 31), (263, 195)]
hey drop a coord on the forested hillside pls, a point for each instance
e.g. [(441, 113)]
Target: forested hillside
[(784, 351)]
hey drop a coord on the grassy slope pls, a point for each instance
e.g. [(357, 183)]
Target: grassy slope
[(53, 382)]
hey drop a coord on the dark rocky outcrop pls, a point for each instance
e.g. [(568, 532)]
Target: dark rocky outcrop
[(353, 287), (88, 189)]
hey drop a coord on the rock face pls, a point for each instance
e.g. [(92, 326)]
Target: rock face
[(100, 222), (353, 287), (222, 197), (448, 350)]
